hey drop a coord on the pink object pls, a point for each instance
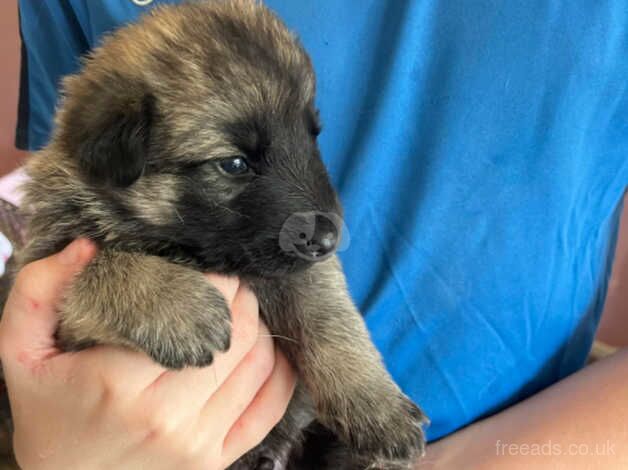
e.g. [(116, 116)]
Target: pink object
[(9, 186)]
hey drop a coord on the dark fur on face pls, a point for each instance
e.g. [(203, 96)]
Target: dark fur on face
[(188, 143)]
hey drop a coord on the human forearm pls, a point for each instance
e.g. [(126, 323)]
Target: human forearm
[(579, 423)]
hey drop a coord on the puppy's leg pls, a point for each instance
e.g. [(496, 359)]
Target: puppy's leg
[(146, 303), (352, 392)]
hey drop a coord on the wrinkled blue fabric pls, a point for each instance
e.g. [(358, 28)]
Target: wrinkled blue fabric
[(480, 149)]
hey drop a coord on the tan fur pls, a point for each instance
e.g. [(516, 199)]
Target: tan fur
[(153, 198)]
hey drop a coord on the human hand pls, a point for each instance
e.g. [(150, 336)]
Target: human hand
[(106, 407)]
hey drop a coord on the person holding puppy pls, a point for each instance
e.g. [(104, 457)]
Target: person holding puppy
[(490, 144)]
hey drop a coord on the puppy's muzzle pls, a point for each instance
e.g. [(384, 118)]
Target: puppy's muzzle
[(312, 236)]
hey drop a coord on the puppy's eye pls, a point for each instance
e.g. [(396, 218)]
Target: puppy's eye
[(234, 166)]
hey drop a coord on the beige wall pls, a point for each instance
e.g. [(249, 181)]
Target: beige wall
[(614, 328), (9, 66)]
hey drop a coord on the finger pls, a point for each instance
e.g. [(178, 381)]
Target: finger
[(117, 372), (264, 412), (227, 285), (237, 392), (30, 317), (198, 384), (244, 335)]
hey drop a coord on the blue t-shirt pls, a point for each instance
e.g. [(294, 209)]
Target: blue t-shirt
[(481, 152)]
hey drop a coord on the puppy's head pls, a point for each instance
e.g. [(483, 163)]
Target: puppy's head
[(196, 130)]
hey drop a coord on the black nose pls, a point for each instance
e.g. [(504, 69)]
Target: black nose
[(322, 241)]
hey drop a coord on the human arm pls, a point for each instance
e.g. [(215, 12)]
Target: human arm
[(581, 421)]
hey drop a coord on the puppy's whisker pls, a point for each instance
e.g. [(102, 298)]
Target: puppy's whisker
[(179, 216), (228, 209), (215, 377), (292, 340)]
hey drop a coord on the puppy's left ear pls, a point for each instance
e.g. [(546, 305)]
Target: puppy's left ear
[(108, 131), (117, 152)]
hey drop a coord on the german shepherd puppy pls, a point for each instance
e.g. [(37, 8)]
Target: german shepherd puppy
[(186, 144)]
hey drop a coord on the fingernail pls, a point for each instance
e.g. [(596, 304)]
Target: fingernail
[(71, 254)]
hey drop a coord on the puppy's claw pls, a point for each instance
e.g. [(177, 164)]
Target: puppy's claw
[(393, 439), (197, 342), (197, 352)]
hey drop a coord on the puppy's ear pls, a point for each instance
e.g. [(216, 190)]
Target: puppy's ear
[(116, 151), (107, 130)]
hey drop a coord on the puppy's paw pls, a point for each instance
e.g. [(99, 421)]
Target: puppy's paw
[(198, 324), (170, 312), (389, 435)]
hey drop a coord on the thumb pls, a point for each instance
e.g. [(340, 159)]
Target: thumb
[(30, 316)]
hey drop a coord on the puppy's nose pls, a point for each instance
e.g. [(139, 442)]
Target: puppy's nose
[(324, 240)]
